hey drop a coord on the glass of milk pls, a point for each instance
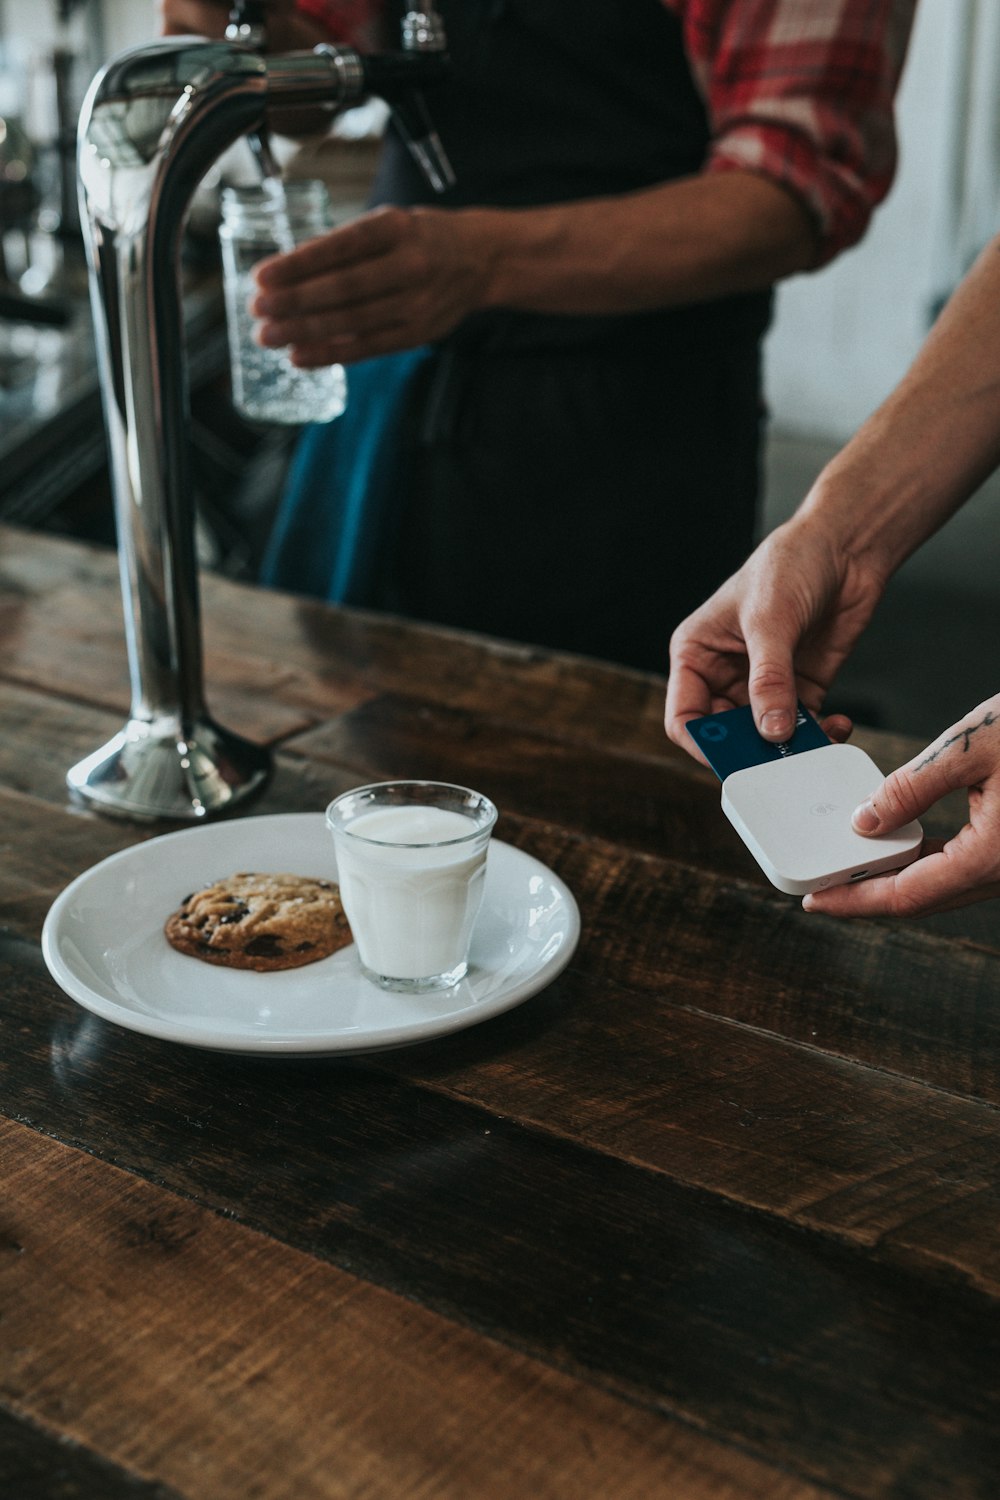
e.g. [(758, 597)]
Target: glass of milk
[(411, 861)]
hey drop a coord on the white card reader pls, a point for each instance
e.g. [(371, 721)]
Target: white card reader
[(794, 815)]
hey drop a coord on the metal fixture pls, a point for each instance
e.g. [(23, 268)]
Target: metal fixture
[(246, 29), (155, 120)]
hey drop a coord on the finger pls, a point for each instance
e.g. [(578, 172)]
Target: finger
[(351, 350), (693, 691), (771, 679), (358, 298), (707, 670), (837, 727), (329, 336), (339, 292), (193, 18), (961, 757), (942, 879), (368, 237), (327, 329)]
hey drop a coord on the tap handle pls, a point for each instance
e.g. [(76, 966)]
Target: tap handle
[(246, 28), (423, 30), (247, 23), (423, 36), (399, 79), (412, 119)]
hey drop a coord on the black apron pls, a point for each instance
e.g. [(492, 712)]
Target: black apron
[(579, 482)]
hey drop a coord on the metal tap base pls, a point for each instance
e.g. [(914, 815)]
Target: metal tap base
[(156, 769)]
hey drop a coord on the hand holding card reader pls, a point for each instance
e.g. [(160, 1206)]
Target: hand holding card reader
[(791, 803)]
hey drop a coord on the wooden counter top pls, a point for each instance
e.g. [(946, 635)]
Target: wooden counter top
[(714, 1217)]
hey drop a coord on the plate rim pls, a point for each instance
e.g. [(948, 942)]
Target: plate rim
[(311, 1043)]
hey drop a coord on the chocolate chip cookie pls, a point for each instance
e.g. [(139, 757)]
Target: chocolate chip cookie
[(260, 922)]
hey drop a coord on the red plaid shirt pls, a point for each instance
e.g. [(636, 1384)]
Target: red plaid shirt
[(800, 91)]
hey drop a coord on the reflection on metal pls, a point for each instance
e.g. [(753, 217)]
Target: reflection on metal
[(154, 121)]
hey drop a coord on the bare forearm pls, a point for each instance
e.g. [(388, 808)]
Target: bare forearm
[(684, 241), (931, 444)]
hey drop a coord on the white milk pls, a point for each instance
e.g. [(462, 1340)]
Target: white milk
[(411, 909)]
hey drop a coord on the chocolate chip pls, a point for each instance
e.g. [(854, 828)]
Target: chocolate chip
[(265, 946), (239, 911)]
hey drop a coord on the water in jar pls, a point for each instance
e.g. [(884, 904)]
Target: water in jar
[(257, 222), (266, 385)]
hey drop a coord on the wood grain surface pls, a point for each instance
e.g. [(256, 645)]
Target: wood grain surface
[(714, 1217)]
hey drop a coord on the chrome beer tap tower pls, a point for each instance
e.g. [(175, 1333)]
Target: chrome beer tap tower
[(155, 119)]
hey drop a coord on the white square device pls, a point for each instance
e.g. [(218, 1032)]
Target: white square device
[(794, 815)]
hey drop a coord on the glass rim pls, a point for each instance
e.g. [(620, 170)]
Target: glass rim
[(486, 803), (248, 206), (257, 192)]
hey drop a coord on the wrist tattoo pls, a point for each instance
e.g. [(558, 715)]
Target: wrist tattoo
[(965, 735)]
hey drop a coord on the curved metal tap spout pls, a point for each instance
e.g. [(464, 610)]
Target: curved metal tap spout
[(154, 121)]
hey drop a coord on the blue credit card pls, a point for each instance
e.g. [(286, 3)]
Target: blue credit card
[(730, 742)]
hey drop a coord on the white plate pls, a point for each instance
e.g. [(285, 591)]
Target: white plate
[(104, 945)]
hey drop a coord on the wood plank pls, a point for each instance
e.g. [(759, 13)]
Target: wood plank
[(668, 1173), (877, 1160), (661, 804), (60, 612), (871, 1160), (45, 846), (41, 736), (890, 996), (657, 804), (40, 1465), (854, 1153), (41, 846), (887, 995), (181, 1345), (61, 623), (277, 664), (661, 1292), (57, 595)]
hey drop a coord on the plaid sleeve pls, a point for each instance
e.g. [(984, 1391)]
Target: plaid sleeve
[(802, 91)]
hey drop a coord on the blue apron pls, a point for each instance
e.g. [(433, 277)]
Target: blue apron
[(338, 518)]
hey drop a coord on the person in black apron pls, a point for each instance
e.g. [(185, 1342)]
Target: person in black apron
[(577, 481)]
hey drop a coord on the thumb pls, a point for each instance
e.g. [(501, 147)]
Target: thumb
[(771, 684), (963, 756), (899, 800)]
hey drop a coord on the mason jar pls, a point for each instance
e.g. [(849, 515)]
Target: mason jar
[(258, 221)]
